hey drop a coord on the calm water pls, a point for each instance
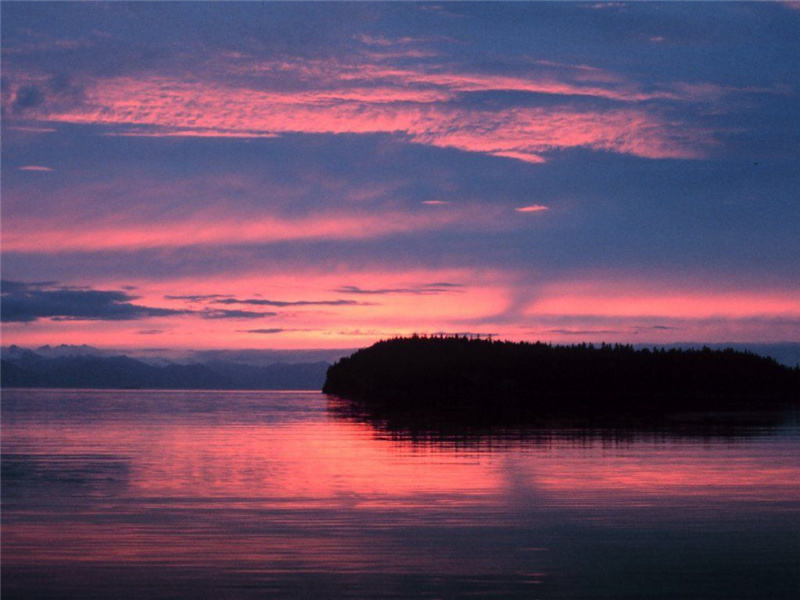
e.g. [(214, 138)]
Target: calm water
[(135, 494)]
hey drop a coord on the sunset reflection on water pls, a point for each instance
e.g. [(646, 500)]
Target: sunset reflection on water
[(270, 494)]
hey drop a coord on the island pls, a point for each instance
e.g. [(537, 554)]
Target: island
[(452, 377)]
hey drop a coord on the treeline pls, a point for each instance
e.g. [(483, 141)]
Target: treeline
[(453, 371)]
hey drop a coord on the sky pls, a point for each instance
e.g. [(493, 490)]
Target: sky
[(324, 175)]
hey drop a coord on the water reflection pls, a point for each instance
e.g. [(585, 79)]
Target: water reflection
[(238, 495), (448, 433)]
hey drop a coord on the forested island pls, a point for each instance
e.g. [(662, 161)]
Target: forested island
[(450, 375)]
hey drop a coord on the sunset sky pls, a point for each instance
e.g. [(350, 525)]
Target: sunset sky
[(324, 175)]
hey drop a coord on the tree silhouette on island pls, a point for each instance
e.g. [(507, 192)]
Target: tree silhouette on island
[(457, 375)]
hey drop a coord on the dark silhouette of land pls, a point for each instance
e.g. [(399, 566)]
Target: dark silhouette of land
[(22, 368), (450, 379)]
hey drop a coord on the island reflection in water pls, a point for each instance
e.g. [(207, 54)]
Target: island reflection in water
[(133, 494)]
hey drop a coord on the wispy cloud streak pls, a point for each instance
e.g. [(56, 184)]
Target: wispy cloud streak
[(229, 299), (45, 237), (417, 290), (35, 168), (283, 303)]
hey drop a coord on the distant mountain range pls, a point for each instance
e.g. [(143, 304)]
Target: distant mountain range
[(87, 367)]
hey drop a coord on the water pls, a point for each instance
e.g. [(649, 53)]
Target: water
[(135, 494)]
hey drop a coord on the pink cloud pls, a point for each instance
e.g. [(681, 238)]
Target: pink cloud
[(209, 227), (35, 168), (551, 81), (532, 208), (627, 301), (523, 156), (517, 133), (369, 98)]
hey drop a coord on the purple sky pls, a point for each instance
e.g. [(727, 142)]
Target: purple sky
[(309, 175)]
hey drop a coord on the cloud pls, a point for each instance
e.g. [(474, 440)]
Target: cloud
[(38, 42), (212, 228), (261, 302), (157, 131), (379, 40), (198, 297), (230, 299), (209, 313), (273, 331), (583, 331), (681, 329), (25, 129), (35, 168), (423, 289), (368, 333), (603, 5), (24, 303), (619, 299), (532, 208), (517, 155), (54, 92), (28, 96), (266, 98), (27, 302), (13, 287), (440, 10)]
